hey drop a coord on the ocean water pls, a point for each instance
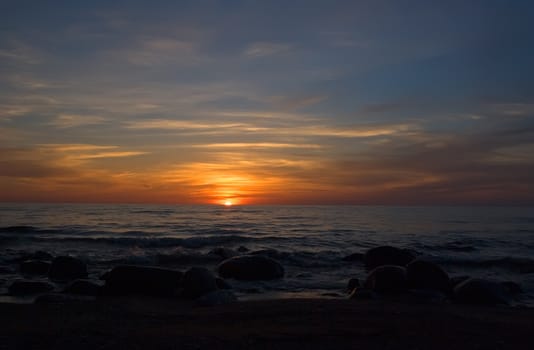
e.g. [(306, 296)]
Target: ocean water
[(309, 241)]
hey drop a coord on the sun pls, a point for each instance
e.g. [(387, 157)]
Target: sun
[(228, 203)]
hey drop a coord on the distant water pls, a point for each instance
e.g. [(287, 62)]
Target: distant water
[(310, 241)]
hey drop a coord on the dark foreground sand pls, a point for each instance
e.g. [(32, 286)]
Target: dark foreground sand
[(140, 323)]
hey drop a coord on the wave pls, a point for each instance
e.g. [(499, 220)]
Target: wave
[(18, 229), (161, 242), (451, 246)]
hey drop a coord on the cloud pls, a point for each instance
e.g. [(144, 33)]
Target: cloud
[(298, 102), (157, 51), (297, 127), (215, 146), (117, 154), (512, 109), (167, 124), (64, 121), (18, 52), (262, 49), (69, 153)]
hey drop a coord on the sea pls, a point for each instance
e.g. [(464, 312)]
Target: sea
[(495, 243)]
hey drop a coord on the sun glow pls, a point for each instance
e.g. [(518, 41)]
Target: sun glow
[(228, 203)]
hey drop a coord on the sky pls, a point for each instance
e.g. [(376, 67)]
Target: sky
[(267, 102)]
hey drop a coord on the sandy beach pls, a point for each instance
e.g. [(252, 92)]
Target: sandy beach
[(146, 323)]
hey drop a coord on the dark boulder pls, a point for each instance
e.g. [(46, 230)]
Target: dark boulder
[(481, 292), (456, 280), (145, 280), (362, 294), (67, 268), (512, 287), (387, 255), (24, 287), (34, 267), (353, 283), (354, 257), (387, 279), (198, 281), (6, 270), (251, 267), (82, 287), (427, 275), (222, 284), (242, 249)]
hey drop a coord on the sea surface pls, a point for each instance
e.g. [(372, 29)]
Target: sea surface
[(309, 241)]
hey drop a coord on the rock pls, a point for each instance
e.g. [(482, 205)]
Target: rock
[(145, 280), (387, 279), (52, 298), (242, 249), (6, 270), (387, 255), (82, 287), (362, 294), (224, 253), (481, 292), (353, 283), (67, 268), (222, 284), (251, 267), (34, 267), (456, 280), (512, 287), (354, 257), (25, 287), (427, 275), (216, 297), (198, 281)]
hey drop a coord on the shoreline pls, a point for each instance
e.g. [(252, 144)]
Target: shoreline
[(156, 323)]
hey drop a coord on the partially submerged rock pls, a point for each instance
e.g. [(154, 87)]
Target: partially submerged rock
[(362, 294), (387, 255), (222, 284), (427, 275), (35, 267), (67, 268), (26, 287), (481, 292), (198, 281), (353, 283), (251, 267), (387, 279), (83, 287), (145, 280)]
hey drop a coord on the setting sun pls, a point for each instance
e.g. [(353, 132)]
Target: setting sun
[(228, 203)]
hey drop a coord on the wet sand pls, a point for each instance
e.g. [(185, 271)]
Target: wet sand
[(143, 323)]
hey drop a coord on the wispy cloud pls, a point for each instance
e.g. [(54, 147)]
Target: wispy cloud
[(241, 145), (18, 52), (157, 51), (167, 124), (75, 120), (262, 49)]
